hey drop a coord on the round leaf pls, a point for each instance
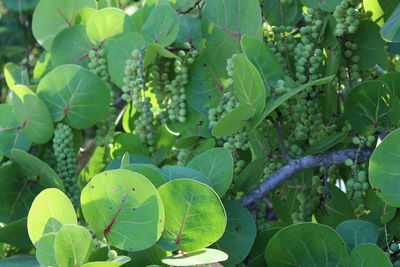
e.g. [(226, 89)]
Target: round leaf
[(50, 210), (384, 170), (124, 207), (52, 16), (71, 46), (36, 170), (195, 217), (76, 94), (369, 255), (306, 244), (72, 245), (32, 114), (16, 234), (10, 136), (45, 250), (197, 258), (240, 232), (217, 165), (107, 23), (356, 232)]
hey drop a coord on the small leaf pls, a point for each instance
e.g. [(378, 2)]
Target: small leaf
[(369, 255), (50, 210), (72, 245), (45, 250), (15, 75), (195, 217), (391, 29), (357, 232), (326, 143)]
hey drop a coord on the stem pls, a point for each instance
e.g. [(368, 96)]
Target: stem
[(294, 166)]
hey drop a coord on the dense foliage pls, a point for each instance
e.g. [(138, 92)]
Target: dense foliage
[(199, 133)]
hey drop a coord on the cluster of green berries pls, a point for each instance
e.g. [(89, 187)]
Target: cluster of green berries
[(132, 79), (98, 64), (306, 208), (347, 17), (281, 43), (272, 166), (359, 183), (393, 253), (261, 215), (47, 156), (183, 156), (106, 128), (66, 161), (361, 140)]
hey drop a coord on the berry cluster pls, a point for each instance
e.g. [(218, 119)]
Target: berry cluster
[(347, 17), (98, 64)]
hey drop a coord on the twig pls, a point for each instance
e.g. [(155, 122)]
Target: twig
[(294, 166), (197, 4), (279, 128)]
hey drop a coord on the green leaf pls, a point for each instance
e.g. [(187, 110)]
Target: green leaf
[(240, 232), (336, 209), (250, 176), (151, 172), (10, 135), (36, 170), (20, 5), (18, 193), (367, 106), (14, 74), (19, 260), (76, 94), (150, 256), (273, 104), (16, 234), (248, 83), (195, 216), (369, 255), (32, 114), (45, 250), (119, 261), (279, 14), (260, 244), (217, 165), (107, 3), (189, 31), (388, 214), (43, 65), (153, 50), (233, 121), (326, 143), (52, 16), (83, 15), (370, 46), (120, 51), (390, 31), (384, 170), (122, 201), (50, 210), (72, 245), (328, 6), (71, 46), (263, 59), (128, 142), (356, 232), (306, 244), (162, 26), (107, 23), (236, 17), (197, 258)]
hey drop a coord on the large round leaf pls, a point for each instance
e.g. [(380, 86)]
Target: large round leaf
[(367, 105), (72, 245), (17, 193), (120, 51), (16, 234), (75, 93), (195, 217), (240, 232), (369, 255), (45, 250), (50, 210), (217, 165), (384, 170), (32, 114), (196, 258), (161, 26), (71, 46), (20, 5), (124, 207), (356, 232), (36, 170), (306, 244), (10, 136), (107, 23), (52, 16)]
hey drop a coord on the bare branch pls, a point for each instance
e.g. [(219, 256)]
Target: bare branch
[(294, 166)]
